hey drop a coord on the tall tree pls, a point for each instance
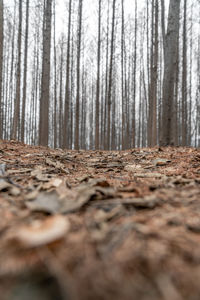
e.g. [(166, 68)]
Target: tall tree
[(132, 143), (78, 75), (45, 82), (55, 127), (124, 116), (61, 93), (109, 95), (1, 65), (16, 117), (170, 61), (98, 79), (184, 77), (67, 83), (25, 72), (152, 117), (106, 78)]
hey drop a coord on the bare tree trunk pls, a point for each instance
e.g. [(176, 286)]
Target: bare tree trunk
[(134, 81), (184, 78), (152, 116), (176, 120), (25, 72), (11, 85), (109, 100), (45, 84), (67, 83), (189, 137), (71, 110), (122, 81), (197, 102), (78, 76), (16, 117), (55, 127), (61, 94), (98, 80), (106, 79), (1, 65), (170, 61)]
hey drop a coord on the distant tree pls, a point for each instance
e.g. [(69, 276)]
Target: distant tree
[(61, 92), (16, 118), (97, 113), (66, 123), (123, 102), (153, 85), (45, 83), (110, 77), (1, 65), (105, 120), (197, 94), (184, 78), (25, 72), (55, 127), (132, 142), (170, 61), (77, 133)]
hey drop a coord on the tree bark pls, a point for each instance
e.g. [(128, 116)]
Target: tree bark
[(184, 78), (109, 99), (67, 83), (170, 61), (18, 81), (77, 141), (45, 84), (98, 80), (1, 65), (25, 72)]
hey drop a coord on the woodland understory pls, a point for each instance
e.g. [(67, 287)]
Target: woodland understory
[(99, 224)]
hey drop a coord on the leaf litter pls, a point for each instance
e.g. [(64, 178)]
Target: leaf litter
[(99, 224)]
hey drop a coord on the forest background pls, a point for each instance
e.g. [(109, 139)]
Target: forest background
[(100, 74)]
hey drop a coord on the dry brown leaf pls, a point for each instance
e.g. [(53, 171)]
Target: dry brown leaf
[(161, 161), (133, 168), (41, 233)]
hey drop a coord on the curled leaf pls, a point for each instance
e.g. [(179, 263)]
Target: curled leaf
[(40, 233)]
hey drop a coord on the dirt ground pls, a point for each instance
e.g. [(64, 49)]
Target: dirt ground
[(97, 225)]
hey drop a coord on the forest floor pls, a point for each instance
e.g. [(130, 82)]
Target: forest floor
[(97, 225)]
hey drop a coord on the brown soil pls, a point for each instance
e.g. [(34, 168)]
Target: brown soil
[(99, 225)]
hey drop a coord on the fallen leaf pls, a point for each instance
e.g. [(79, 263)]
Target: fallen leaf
[(193, 224), (58, 165), (45, 202), (148, 175), (5, 186), (133, 168), (160, 162), (146, 202), (41, 233), (53, 183)]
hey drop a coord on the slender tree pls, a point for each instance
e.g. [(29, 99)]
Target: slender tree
[(25, 72), (16, 117), (45, 83), (98, 79), (184, 77), (132, 143), (109, 95), (170, 61), (1, 65), (67, 83), (77, 133), (55, 127), (152, 117)]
